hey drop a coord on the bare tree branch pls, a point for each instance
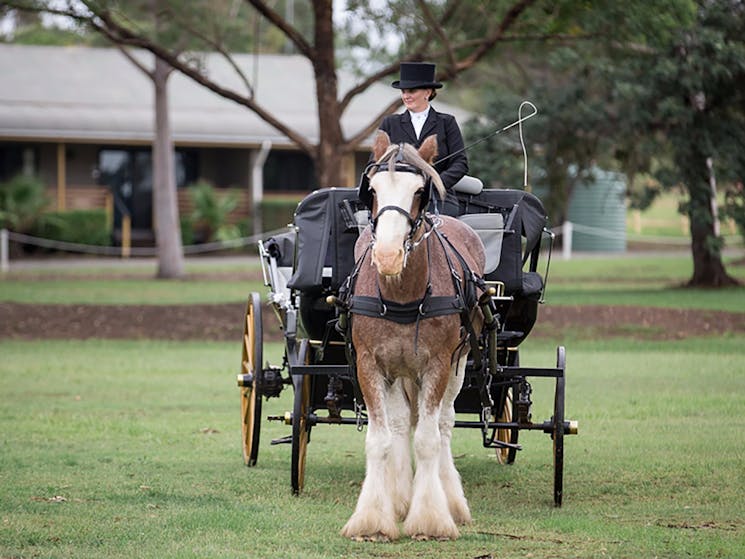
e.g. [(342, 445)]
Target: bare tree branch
[(435, 26), (149, 73), (370, 128), (218, 47), (278, 21), (118, 34), (509, 18)]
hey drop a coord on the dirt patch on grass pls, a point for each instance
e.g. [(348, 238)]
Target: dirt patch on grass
[(224, 322)]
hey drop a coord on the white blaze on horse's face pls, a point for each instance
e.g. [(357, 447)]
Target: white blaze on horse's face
[(393, 227)]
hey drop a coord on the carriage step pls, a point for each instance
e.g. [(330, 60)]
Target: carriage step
[(282, 440), (508, 336)]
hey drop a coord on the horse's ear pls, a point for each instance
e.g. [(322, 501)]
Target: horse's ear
[(382, 141), (428, 150)]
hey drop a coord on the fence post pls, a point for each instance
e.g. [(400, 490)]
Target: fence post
[(4, 263), (566, 241), (126, 236)]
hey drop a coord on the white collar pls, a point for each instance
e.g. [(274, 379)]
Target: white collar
[(420, 115)]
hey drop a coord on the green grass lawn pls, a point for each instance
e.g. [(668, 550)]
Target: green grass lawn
[(645, 280), (131, 449), (128, 284), (652, 280)]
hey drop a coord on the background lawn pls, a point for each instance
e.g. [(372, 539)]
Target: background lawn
[(131, 449), (638, 279)]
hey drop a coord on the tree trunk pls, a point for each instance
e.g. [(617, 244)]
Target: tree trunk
[(165, 202), (708, 269), (331, 146)]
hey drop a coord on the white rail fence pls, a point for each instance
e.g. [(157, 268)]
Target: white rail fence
[(7, 236), (565, 231)]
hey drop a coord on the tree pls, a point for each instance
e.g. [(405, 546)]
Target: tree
[(165, 197), (573, 131), (668, 101), (697, 92), (457, 34)]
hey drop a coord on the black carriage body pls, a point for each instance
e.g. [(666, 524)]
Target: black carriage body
[(321, 253), (317, 256), (320, 250)]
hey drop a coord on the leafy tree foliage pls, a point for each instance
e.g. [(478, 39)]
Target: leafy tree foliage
[(663, 104), (697, 93)]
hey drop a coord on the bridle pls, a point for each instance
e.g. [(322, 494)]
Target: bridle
[(415, 223)]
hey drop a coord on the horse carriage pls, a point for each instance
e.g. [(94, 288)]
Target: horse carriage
[(311, 272)]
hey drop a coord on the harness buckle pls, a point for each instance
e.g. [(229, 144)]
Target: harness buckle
[(359, 415)]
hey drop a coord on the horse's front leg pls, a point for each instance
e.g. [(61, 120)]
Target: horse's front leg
[(374, 518), (429, 514), (399, 459), (451, 480)]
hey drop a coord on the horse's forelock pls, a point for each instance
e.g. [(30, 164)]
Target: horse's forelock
[(411, 156)]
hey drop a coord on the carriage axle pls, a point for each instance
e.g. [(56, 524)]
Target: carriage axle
[(571, 427)]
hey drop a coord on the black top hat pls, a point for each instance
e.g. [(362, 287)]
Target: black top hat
[(417, 75)]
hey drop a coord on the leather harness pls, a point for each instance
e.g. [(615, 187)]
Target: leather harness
[(428, 306)]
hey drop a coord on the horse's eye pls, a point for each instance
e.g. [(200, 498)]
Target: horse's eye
[(419, 192)]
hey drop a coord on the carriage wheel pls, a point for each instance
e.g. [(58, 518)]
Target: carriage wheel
[(558, 428), (300, 432), (507, 455), (252, 377)]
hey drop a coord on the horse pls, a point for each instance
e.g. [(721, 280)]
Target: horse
[(407, 315)]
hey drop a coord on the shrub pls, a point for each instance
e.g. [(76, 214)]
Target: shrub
[(209, 218), (87, 227), (276, 213), (23, 201), (187, 230)]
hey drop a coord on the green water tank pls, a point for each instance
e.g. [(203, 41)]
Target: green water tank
[(597, 209)]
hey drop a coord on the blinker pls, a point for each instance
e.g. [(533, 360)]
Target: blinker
[(365, 193)]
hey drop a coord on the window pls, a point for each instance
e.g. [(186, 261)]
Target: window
[(16, 159), (289, 171)]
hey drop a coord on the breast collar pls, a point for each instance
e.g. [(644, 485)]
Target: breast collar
[(428, 306)]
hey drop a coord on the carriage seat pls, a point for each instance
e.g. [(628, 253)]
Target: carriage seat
[(532, 286), (469, 185), (490, 229), (521, 217)]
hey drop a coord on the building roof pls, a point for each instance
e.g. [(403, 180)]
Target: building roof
[(83, 94)]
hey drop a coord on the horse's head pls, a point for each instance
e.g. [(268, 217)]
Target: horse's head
[(397, 189)]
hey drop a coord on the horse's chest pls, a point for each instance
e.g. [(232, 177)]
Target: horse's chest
[(406, 348)]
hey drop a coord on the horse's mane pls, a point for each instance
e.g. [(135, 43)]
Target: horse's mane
[(411, 157)]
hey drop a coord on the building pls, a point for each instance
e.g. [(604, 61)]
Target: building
[(82, 120)]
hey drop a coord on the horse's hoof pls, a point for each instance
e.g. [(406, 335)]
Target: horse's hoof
[(461, 514), (446, 530), (375, 538), (364, 530), (425, 538)]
